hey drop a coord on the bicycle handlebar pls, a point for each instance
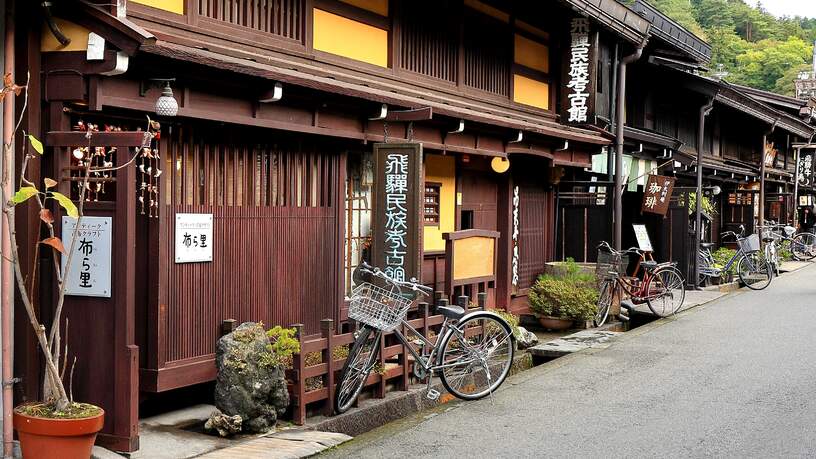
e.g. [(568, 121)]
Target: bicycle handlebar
[(411, 284)]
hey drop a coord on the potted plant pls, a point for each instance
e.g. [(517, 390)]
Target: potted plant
[(558, 302), (57, 424)]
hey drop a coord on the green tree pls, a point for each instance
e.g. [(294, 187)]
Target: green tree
[(785, 84), (763, 65)]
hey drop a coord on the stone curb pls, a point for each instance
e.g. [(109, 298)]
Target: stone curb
[(374, 413)]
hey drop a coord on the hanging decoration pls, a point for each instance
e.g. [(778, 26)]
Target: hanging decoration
[(99, 164)]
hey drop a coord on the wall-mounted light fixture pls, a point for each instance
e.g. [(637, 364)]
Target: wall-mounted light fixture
[(166, 104)]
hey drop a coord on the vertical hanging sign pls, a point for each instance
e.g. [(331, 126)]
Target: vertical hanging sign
[(805, 173), (515, 260), (397, 207), (90, 271), (579, 90)]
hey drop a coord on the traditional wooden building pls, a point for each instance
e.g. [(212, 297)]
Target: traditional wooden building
[(747, 140), (279, 107)]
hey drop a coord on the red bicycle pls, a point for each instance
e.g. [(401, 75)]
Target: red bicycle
[(662, 288)]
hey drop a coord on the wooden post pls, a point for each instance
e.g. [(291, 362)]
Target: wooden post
[(462, 301), (423, 310), (298, 364), (381, 384), (404, 362), (327, 331), (228, 326), (482, 300)]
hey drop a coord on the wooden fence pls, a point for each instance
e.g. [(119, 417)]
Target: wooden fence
[(312, 378)]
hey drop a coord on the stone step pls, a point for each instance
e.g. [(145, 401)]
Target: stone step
[(292, 444), (573, 343)]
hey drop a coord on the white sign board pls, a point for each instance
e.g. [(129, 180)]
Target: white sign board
[(90, 270), (194, 238), (642, 236)]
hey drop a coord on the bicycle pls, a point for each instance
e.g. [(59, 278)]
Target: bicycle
[(802, 245), (754, 271), (472, 353), (770, 251), (662, 287)]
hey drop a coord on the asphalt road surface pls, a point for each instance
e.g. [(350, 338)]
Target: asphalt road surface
[(733, 378)]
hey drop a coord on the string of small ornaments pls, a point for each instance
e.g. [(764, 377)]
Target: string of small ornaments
[(102, 158)]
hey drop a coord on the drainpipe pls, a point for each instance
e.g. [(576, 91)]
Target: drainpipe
[(762, 175), (698, 218), (6, 282), (619, 120), (610, 164)]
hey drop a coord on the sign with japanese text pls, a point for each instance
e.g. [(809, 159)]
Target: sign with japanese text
[(579, 78), (397, 207), (90, 270), (194, 233), (657, 194), (805, 172), (515, 261), (642, 236), (770, 155)]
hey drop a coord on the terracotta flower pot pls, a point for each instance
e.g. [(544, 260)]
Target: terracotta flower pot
[(42, 437), (555, 323)]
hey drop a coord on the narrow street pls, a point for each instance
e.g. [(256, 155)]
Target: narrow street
[(734, 378)]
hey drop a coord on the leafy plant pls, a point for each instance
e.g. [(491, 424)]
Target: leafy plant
[(706, 205), (282, 345), (721, 257), (511, 319), (563, 298)]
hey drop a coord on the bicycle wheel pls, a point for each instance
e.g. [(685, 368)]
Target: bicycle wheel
[(476, 360), (803, 246), (604, 302), (666, 291), (754, 271), (360, 362)]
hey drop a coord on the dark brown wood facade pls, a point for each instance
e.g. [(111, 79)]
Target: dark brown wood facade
[(275, 175)]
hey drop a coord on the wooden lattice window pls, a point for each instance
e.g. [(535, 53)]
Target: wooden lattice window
[(284, 18), (431, 203)]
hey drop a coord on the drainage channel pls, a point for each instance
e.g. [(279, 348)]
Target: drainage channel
[(600, 337)]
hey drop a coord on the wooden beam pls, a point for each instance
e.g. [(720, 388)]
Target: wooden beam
[(419, 114), (98, 139)]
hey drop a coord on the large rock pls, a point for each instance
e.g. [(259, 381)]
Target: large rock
[(526, 338), (248, 385)]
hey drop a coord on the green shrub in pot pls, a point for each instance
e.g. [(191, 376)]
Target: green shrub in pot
[(565, 297)]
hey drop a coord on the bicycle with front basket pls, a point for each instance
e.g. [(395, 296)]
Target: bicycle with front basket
[(472, 354), (662, 288)]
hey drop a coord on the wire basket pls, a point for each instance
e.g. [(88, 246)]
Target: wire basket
[(378, 307), (610, 265), (749, 244)]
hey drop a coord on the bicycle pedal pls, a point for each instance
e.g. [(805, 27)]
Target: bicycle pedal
[(432, 394)]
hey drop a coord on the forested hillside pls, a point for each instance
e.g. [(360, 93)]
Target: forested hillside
[(754, 47)]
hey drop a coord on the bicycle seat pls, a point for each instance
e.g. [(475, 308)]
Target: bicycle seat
[(706, 245), (648, 264), (451, 312), (768, 239)]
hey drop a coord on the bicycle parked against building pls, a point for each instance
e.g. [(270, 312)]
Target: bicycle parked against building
[(802, 245), (662, 287), (754, 271), (472, 353)]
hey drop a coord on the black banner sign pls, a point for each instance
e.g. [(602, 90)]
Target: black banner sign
[(397, 206)]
